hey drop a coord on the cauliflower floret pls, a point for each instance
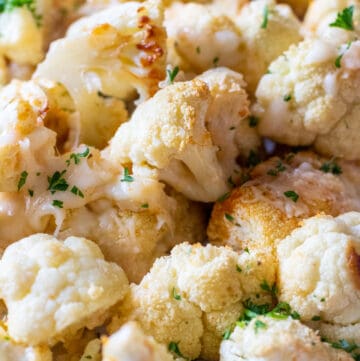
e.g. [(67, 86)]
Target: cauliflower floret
[(269, 339), (52, 289), (190, 297), (311, 96), (180, 134), (131, 344), (267, 30), (213, 40), (322, 13), (281, 193), (104, 60), (319, 271)]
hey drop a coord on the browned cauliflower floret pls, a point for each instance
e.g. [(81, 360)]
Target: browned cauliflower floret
[(104, 60), (319, 269), (269, 339), (180, 134), (131, 344), (280, 195), (267, 29), (52, 289), (310, 96), (192, 296)]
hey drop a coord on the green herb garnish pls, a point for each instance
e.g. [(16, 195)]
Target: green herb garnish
[(344, 19)]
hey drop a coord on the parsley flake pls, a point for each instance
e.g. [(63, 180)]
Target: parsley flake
[(31, 192), (227, 334), (253, 121), (229, 217), (331, 167), (271, 289), (216, 61), (174, 348), (22, 180), (292, 195), (265, 18), (127, 177), (57, 182), (287, 97), (198, 50), (316, 318), (172, 74), (75, 190), (238, 268), (9, 5), (145, 205), (278, 169), (224, 197), (176, 296), (344, 19), (77, 156), (57, 203), (258, 325)]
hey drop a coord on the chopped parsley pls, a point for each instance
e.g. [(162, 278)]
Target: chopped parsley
[(338, 61), (227, 334), (344, 19), (253, 121), (229, 217), (278, 169), (316, 318), (174, 348), (224, 197), (198, 50), (264, 23), (57, 203), (127, 177), (271, 289), (253, 159), (287, 97), (282, 311), (88, 357), (172, 74), (31, 192), (57, 182), (345, 345), (103, 95), (331, 167), (77, 156), (176, 296), (238, 268), (322, 299), (258, 325), (246, 249), (145, 205), (231, 182), (75, 190), (216, 61), (22, 180), (292, 195)]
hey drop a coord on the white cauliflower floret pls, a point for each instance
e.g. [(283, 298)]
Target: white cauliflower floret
[(191, 297), (131, 344), (319, 269), (267, 30), (213, 40), (52, 289), (268, 339), (104, 60), (21, 38), (180, 134), (311, 96), (322, 13)]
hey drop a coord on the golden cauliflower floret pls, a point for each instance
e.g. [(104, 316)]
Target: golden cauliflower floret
[(21, 38), (191, 297), (52, 289), (269, 339), (105, 60), (213, 40), (267, 30), (131, 344), (310, 97), (280, 194), (319, 271), (180, 134)]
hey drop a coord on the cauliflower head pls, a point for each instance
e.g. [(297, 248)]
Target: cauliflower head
[(310, 97), (267, 30), (279, 195), (131, 344), (180, 134), (190, 297), (105, 61), (268, 339), (318, 269), (52, 289)]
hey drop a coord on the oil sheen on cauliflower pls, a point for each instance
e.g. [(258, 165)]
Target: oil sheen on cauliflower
[(310, 96), (52, 289), (190, 297), (177, 132), (106, 60), (268, 339), (319, 269), (131, 344)]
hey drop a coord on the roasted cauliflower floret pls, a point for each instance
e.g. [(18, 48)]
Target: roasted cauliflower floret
[(310, 97), (190, 297), (131, 344), (267, 30), (52, 289), (269, 339), (319, 271), (180, 134), (281, 193), (105, 60), (212, 41)]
